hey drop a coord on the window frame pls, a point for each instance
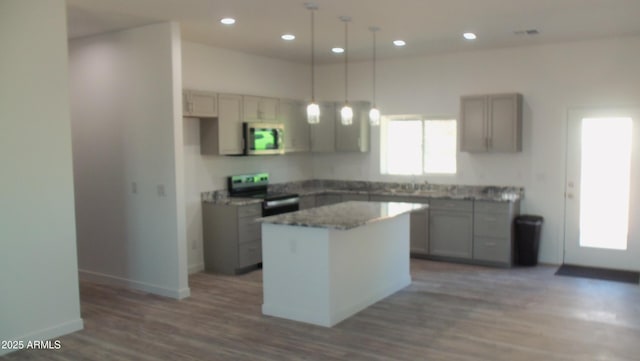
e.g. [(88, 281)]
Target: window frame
[(386, 120)]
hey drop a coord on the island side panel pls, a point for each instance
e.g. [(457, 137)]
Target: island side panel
[(295, 272), (368, 263)]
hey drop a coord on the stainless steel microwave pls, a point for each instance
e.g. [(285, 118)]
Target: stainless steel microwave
[(263, 138)]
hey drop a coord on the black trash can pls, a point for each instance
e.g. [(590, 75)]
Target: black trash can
[(527, 239)]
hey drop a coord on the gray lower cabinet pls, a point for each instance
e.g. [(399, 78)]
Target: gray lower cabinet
[(492, 234), (354, 197), (326, 199), (308, 201), (419, 222), (451, 228), (231, 237)]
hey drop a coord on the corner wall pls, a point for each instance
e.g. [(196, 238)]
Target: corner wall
[(221, 70), (552, 78), (38, 266), (127, 153)]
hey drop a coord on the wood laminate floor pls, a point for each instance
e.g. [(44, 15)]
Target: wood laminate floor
[(449, 312)]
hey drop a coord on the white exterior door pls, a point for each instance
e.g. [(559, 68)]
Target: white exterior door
[(602, 199)]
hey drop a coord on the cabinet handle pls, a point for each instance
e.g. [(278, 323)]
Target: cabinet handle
[(490, 244)]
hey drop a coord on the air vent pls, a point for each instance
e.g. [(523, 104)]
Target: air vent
[(529, 32)]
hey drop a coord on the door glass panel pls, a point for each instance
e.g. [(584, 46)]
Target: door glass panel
[(604, 182)]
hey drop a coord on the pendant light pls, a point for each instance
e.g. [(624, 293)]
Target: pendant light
[(374, 113), (346, 113), (313, 110)]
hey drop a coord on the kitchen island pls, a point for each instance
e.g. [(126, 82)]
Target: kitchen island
[(324, 264)]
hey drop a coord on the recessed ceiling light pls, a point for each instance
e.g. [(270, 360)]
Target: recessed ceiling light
[(399, 43), (337, 50), (469, 36), (228, 21), (288, 37)]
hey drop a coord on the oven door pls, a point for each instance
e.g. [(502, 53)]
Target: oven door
[(271, 208), (263, 138)]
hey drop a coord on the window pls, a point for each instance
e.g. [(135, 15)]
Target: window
[(414, 145)]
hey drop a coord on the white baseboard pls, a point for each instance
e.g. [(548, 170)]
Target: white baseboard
[(98, 277), (49, 333), (195, 268)]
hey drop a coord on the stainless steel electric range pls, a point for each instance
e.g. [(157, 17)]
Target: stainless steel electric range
[(256, 186)]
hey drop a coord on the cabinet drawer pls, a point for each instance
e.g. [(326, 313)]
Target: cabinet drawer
[(249, 254), (451, 205), (492, 249), (492, 207), (248, 230), (252, 210), (492, 225)]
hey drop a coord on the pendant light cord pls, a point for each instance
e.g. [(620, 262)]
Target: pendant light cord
[(374, 66), (313, 57), (346, 62)]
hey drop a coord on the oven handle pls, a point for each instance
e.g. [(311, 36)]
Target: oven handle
[(281, 202)]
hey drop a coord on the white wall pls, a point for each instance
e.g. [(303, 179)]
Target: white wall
[(552, 79), (38, 267), (128, 163), (208, 68)]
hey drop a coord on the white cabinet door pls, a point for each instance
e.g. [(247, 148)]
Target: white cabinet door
[(259, 109), (198, 103), (230, 124)]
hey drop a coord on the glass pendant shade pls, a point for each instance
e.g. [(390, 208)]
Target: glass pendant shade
[(346, 115), (374, 116), (313, 113)]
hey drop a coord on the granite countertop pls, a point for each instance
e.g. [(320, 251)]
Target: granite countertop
[(433, 191), (343, 216)]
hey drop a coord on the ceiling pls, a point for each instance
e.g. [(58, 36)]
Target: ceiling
[(428, 26)]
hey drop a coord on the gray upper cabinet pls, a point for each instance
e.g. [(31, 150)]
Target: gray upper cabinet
[(307, 201), (291, 113), (491, 123), (354, 137), (323, 134), (327, 199), (331, 136), (223, 135), (451, 228), (200, 104), (259, 109)]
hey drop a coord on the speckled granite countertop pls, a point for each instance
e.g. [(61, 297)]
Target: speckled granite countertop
[(421, 190), (343, 216)]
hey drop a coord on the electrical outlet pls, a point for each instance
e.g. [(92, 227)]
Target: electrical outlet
[(161, 190), (134, 187)]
